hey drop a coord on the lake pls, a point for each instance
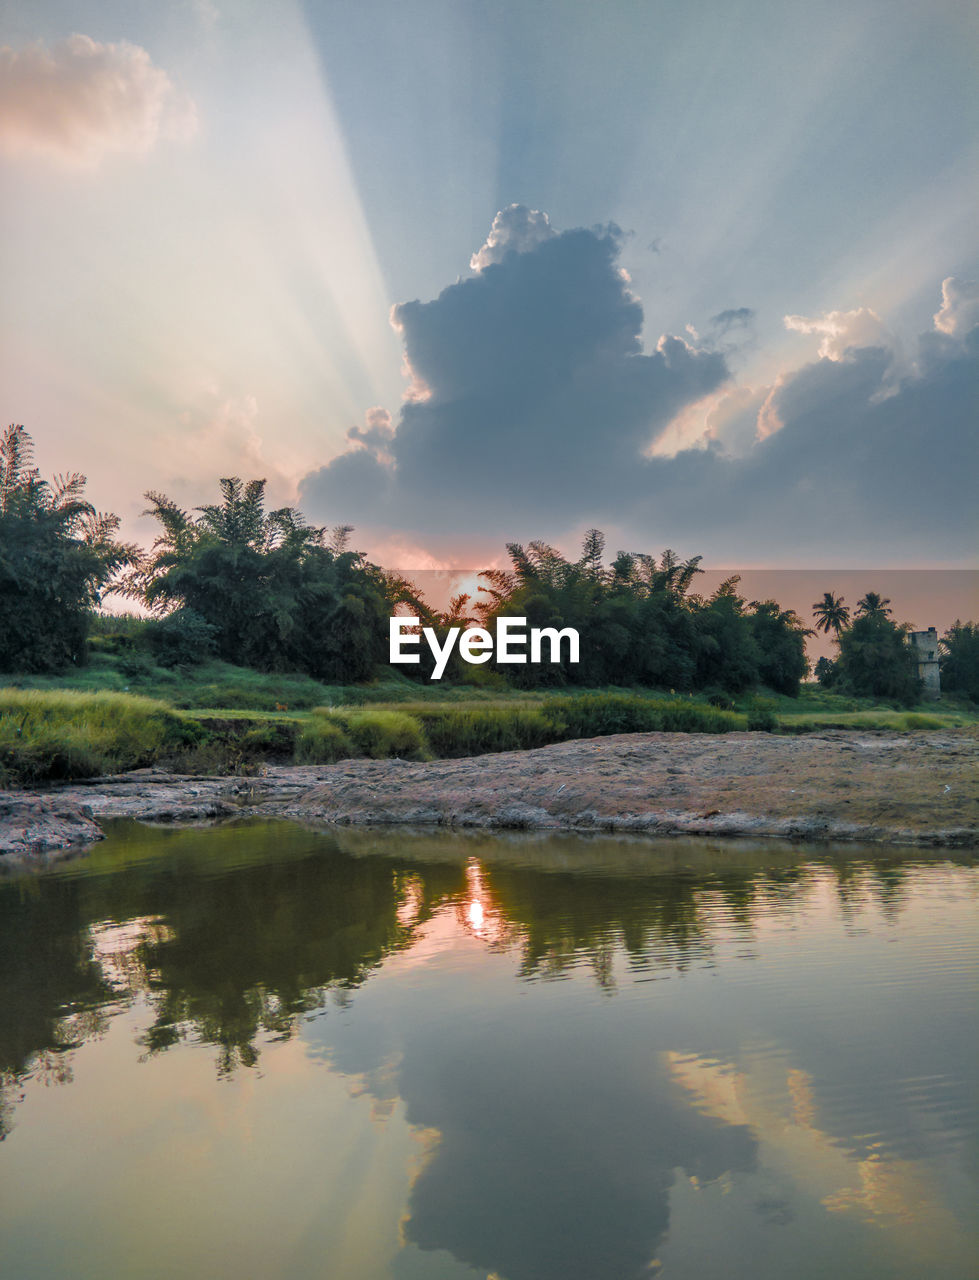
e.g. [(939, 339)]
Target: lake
[(253, 1050)]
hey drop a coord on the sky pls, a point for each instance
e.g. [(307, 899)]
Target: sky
[(704, 276)]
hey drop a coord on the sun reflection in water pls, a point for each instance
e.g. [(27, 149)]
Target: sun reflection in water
[(476, 915), (477, 912)]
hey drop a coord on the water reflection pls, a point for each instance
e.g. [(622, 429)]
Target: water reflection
[(784, 1062)]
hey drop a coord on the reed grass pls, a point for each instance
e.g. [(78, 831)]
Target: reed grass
[(63, 734)]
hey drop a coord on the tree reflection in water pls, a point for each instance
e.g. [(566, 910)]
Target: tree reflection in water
[(242, 935)]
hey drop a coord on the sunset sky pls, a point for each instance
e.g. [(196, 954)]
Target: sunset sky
[(703, 275)]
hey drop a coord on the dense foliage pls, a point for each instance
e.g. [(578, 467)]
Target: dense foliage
[(263, 589), (875, 658), (57, 556), (960, 660), (640, 624), (232, 583)]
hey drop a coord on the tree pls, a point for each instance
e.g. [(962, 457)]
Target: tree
[(274, 591), (781, 640), (876, 660), (873, 603), (960, 659), (831, 614), (639, 624), (825, 672), (58, 558)]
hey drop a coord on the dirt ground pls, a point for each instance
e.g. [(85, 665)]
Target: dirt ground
[(902, 788)]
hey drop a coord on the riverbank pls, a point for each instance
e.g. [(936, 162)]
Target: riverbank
[(895, 788)]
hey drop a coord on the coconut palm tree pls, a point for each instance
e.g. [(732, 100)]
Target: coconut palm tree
[(873, 603), (831, 614)]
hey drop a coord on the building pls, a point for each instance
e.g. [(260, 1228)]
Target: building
[(925, 644)]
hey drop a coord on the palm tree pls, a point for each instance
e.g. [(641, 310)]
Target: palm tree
[(831, 614), (58, 558), (873, 603)]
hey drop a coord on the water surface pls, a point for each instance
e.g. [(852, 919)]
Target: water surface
[(252, 1050)]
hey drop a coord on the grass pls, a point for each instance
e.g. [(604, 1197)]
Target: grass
[(217, 718), (221, 686), (65, 734)]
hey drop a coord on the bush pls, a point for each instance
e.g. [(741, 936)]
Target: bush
[(912, 721), (595, 715), (960, 660), (322, 741), (181, 639), (695, 717), (471, 731), (62, 734), (381, 733), (826, 672), (761, 715), (876, 660), (722, 701)]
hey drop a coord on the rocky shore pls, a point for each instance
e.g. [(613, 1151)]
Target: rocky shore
[(900, 788)]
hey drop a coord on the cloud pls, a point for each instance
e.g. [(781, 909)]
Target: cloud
[(532, 371), (734, 419), (960, 306), (80, 101), (515, 229), (377, 435), (736, 318), (843, 330), (858, 467), (544, 415)]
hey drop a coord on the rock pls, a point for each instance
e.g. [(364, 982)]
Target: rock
[(900, 788), (31, 826)]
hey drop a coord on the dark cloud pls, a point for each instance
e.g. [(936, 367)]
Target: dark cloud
[(858, 467), (533, 408), (529, 374), (736, 318)]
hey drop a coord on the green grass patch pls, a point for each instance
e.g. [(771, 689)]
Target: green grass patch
[(884, 718), (53, 732), (595, 715), (477, 729), (322, 741), (381, 733), (64, 734)]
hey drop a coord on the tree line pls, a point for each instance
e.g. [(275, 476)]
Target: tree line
[(266, 589)]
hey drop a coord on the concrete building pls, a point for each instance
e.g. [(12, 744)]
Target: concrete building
[(926, 647)]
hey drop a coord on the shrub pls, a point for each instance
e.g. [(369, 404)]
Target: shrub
[(761, 715), (380, 733), (912, 721), (595, 715), (470, 731), (322, 741), (695, 717), (182, 638), (722, 701), (826, 672)]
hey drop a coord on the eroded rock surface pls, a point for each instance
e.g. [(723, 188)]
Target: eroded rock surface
[(32, 825), (902, 788), (905, 788)]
